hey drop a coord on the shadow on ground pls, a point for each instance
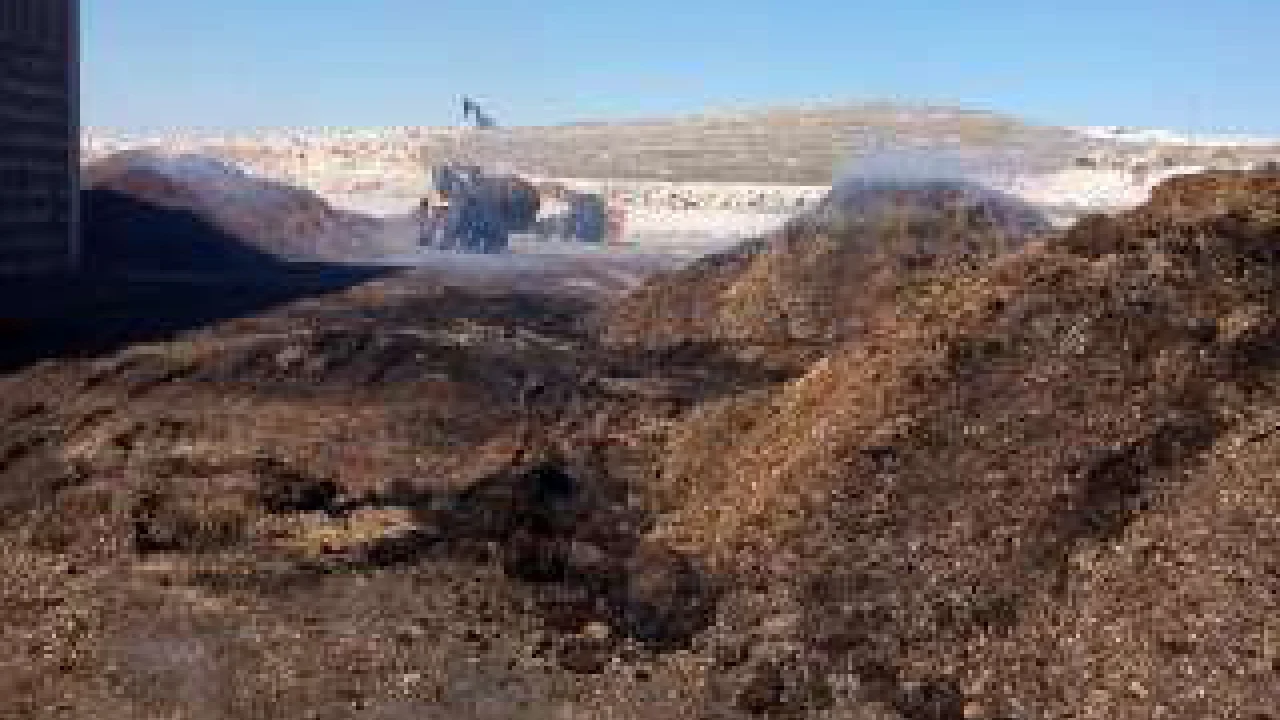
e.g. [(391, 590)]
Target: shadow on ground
[(149, 272)]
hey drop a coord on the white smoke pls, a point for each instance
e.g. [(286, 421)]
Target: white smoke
[(215, 182), (935, 180), (989, 168), (1003, 175)]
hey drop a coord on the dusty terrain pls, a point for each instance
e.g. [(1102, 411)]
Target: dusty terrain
[(897, 468), (687, 185)]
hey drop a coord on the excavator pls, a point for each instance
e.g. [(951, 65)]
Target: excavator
[(469, 210), (471, 111)]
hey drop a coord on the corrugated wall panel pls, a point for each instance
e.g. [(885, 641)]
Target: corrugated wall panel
[(39, 129)]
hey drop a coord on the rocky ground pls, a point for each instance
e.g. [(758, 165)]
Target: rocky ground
[(910, 466)]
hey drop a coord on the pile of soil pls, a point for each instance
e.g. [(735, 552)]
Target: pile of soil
[(1044, 488), (149, 210), (823, 278), (862, 197), (1036, 484)]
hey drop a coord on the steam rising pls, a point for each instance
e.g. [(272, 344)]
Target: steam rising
[(936, 180), (908, 166)]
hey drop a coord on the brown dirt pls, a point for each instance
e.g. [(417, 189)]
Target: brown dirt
[(294, 511), (281, 221), (825, 278), (1025, 492), (1035, 485)]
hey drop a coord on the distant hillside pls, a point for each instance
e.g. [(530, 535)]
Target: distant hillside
[(801, 146), (782, 146)]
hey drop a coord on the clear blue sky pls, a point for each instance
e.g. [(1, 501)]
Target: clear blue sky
[(1185, 64)]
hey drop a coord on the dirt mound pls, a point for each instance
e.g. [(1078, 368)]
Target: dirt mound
[(1032, 492), (1034, 485), (139, 202), (973, 202), (1231, 203), (824, 278)]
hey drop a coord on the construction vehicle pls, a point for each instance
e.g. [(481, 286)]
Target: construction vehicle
[(467, 210), (471, 111)]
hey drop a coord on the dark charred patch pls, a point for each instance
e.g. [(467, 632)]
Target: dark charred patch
[(282, 489), (575, 541)]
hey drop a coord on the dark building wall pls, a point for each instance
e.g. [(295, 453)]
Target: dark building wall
[(39, 135)]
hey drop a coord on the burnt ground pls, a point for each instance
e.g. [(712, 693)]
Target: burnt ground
[(340, 493), (1023, 485)]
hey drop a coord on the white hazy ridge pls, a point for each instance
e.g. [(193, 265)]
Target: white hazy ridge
[(1168, 137), (1067, 194), (216, 182), (701, 222), (692, 208)]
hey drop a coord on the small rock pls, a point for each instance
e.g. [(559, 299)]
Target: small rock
[(780, 625), (596, 631), (412, 632), (290, 356)]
